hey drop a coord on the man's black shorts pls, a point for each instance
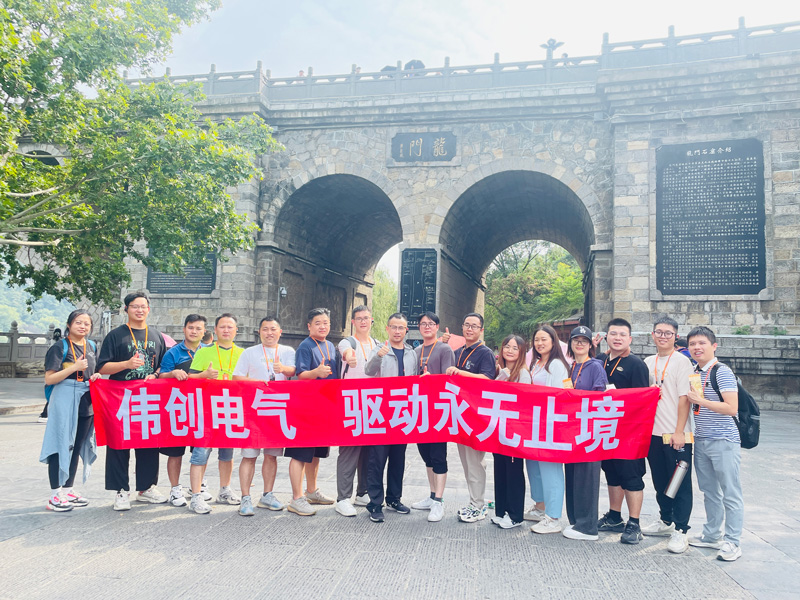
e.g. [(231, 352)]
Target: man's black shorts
[(627, 474), (307, 455), (174, 451)]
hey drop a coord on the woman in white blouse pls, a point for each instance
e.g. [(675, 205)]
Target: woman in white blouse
[(548, 368)]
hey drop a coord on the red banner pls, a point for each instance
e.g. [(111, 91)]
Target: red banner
[(514, 419)]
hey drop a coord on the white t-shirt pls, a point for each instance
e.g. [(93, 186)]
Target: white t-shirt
[(362, 351), (256, 362), (554, 377), (676, 384)]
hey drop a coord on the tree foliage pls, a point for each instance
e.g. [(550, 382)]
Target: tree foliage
[(384, 302), (530, 283), (44, 312), (139, 174)]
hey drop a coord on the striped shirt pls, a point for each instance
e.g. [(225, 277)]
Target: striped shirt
[(710, 424)]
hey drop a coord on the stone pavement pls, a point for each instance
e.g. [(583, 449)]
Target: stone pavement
[(166, 552)]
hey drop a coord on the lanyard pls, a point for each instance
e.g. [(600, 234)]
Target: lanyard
[(708, 374), (225, 372), (322, 356), (270, 368), (371, 346), (615, 365), (133, 337), (422, 356), (579, 370), (664, 372), (460, 354), (78, 374)]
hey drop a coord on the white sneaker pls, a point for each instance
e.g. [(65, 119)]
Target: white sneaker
[(533, 514), (507, 523), (678, 542), (152, 495), (698, 541), (204, 493), (659, 528), (122, 501), (424, 504), (547, 525), (573, 534), (344, 508), (729, 552), (199, 505), (176, 497), (361, 500), (496, 519), (437, 512)]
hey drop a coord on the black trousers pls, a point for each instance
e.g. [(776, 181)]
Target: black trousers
[(118, 463), (82, 433), (509, 487), (582, 492), (376, 464), (662, 459)]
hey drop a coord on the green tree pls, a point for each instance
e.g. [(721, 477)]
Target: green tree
[(140, 174), (41, 315), (528, 284), (384, 302)]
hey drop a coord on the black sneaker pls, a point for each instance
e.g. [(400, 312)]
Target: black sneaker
[(376, 516), (399, 507), (632, 534), (607, 525)]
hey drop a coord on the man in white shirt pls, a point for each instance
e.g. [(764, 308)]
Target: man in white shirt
[(267, 361)]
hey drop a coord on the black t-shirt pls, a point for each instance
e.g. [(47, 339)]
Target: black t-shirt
[(401, 367), (55, 360), (478, 359), (627, 372), (118, 347)]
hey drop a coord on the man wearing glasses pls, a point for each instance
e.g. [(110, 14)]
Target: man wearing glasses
[(625, 478), (473, 360), (434, 357), (672, 436), (393, 359), (355, 351)]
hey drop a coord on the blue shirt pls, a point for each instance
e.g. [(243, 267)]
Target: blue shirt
[(311, 354), (178, 357)]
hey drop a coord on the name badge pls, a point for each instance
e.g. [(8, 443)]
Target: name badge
[(568, 384)]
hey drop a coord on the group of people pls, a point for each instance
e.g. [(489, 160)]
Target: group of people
[(706, 438)]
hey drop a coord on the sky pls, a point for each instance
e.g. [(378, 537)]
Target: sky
[(332, 35)]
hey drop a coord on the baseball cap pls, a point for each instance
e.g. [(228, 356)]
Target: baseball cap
[(581, 331)]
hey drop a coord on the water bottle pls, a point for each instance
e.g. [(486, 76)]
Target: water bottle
[(681, 469)]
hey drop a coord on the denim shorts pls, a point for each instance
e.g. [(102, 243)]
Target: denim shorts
[(200, 455)]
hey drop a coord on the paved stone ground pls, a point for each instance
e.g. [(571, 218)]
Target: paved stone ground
[(166, 552)]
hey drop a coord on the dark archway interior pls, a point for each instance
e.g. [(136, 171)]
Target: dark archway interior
[(343, 222), (510, 207)]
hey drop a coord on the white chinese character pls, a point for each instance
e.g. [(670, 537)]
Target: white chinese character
[(185, 412), (499, 417), (604, 419), (227, 411), (552, 418), (417, 414), (274, 405), (142, 408), (365, 410), (452, 410)]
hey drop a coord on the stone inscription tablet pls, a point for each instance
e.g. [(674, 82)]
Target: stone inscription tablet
[(710, 218), (417, 283), (424, 147), (196, 281)]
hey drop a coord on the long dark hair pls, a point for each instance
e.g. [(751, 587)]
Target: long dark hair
[(555, 354), (519, 365), (74, 315)]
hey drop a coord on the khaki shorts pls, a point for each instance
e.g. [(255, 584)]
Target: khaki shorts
[(254, 452)]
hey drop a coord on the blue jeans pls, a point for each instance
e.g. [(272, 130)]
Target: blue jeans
[(716, 463), (200, 455), (547, 485)]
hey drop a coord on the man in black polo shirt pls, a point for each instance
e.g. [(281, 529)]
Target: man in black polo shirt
[(473, 360), (625, 478)]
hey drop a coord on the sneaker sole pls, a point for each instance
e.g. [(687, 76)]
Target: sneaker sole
[(731, 559), (664, 534), (249, 514), (275, 508), (712, 545), (353, 514), (228, 502), (122, 508), (57, 509), (320, 502), (399, 512), (681, 551), (374, 520), (151, 501), (299, 513), (79, 504), (546, 532), (633, 541)]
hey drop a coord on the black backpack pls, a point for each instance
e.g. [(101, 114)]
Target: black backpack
[(749, 418)]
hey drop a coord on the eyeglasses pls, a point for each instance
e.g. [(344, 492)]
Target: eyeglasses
[(663, 334), (398, 328), (427, 324), (362, 319), (581, 342), (138, 307), (472, 327)]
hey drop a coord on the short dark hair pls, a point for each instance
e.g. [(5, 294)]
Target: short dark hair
[(618, 322), (397, 315), (268, 318), (666, 321), (358, 309), (133, 296), (208, 337), (194, 318), (701, 330), (477, 315), (226, 316), (431, 315), (316, 312)]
